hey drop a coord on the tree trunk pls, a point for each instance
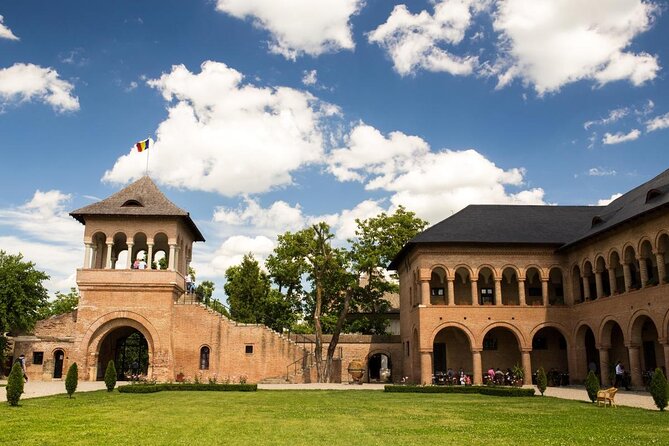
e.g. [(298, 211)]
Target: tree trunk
[(335, 336), (318, 348)]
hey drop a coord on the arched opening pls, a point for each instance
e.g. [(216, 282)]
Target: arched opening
[(119, 256), (99, 254), (159, 260), (501, 350), (633, 264), (549, 350), (486, 287), (619, 274), (577, 285), (645, 334), (379, 368), (533, 294), (438, 293), (663, 249), (510, 287), (586, 352), (555, 287), (650, 262), (613, 336), (600, 268), (139, 249), (58, 360), (204, 358), (161, 250), (589, 281), (129, 349), (462, 287), (451, 353)]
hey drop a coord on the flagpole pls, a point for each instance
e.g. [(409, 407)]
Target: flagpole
[(147, 161)]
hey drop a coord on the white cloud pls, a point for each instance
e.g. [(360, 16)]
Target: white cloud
[(606, 201), (417, 41), (27, 82), (658, 123), (614, 115), (310, 78), (549, 44), (45, 234), (299, 27), (232, 251), (219, 128), (276, 219), (601, 172), (620, 137), (5, 32)]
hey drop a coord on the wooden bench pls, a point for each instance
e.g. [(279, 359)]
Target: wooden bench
[(607, 397)]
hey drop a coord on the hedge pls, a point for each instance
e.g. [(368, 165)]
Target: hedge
[(152, 388), (483, 390)]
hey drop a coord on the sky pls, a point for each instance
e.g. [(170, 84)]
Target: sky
[(268, 116)]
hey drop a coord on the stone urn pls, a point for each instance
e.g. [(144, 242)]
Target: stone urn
[(356, 369)]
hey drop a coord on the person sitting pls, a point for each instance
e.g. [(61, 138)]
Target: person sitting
[(491, 375)]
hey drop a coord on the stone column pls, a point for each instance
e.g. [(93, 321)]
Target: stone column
[(149, 256), (635, 365), (426, 367), (425, 292), (498, 291), (599, 286), (604, 366), (643, 271), (128, 263), (544, 292), (521, 292), (475, 293), (478, 370), (527, 366), (666, 355), (171, 260), (177, 258), (94, 257), (586, 288), (87, 255), (108, 260), (628, 277), (612, 281), (451, 291), (661, 270)]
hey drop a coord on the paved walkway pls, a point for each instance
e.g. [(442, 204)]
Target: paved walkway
[(623, 398)]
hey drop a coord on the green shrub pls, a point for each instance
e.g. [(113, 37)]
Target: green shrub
[(592, 386), (152, 388), (659, 389), (483, 390), (110, 376), (542, 380), (15, 385), (72, 379)]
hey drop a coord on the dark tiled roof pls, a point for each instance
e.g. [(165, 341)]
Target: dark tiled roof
[(141, 198), (562, 226)]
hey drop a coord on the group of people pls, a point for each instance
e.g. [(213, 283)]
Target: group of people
[(139, 262), (451, 377), (498, 377)]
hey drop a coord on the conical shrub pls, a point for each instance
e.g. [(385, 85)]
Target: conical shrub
[(110, 376), (15, 385), (658, 389), (542, 380), (72, 379), (592, 386)]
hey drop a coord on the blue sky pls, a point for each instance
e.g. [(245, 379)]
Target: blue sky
[(267, 117)]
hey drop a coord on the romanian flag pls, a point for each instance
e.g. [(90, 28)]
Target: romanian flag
[(143, 145)]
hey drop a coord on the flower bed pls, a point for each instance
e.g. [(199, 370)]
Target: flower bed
[(483, 390), (152, 388)]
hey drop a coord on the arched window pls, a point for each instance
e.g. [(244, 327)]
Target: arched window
[(204, 358)]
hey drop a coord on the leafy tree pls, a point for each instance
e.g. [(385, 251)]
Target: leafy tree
[(15, 385), (592, 386), (542, 380), (659, 389), (110, 375), (72, 379), (22, 296), (205, 291), (63, 303)]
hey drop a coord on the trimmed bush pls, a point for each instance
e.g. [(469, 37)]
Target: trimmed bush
[(110, 376), (72, 379), (592, 386), (152, 388), (483, 390), (659, 389), (542, 380), (15, 385)]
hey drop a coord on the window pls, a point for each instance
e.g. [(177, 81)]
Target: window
[(534, 291), (539, 343), (489, 343), (487, 296), (249, 349), (408, 350), (38, 358), (204, 358), (437, 291)]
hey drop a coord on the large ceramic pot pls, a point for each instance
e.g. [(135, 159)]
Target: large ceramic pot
[(356, 369)]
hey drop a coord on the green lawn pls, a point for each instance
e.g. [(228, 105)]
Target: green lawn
[(323, 418)]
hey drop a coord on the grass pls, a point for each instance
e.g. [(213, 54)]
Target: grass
[(323, 417)]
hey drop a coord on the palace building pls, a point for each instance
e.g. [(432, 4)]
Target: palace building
[(567, 288)]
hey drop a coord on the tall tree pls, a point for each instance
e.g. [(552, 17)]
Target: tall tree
[(247, 287), (22, 294), (63, 303)]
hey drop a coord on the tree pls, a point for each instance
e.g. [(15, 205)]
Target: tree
[(592, 385), (659, 389), (15, 385), (542, 380), (63, 303), (205, 291), (22, 296), (110, 375), (72, 379)]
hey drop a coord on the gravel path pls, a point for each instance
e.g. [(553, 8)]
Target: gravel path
[(623, 398)]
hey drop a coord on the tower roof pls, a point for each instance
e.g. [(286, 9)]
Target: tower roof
[(141, 198)]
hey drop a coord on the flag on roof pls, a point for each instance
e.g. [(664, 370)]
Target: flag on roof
[(143, 145)]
